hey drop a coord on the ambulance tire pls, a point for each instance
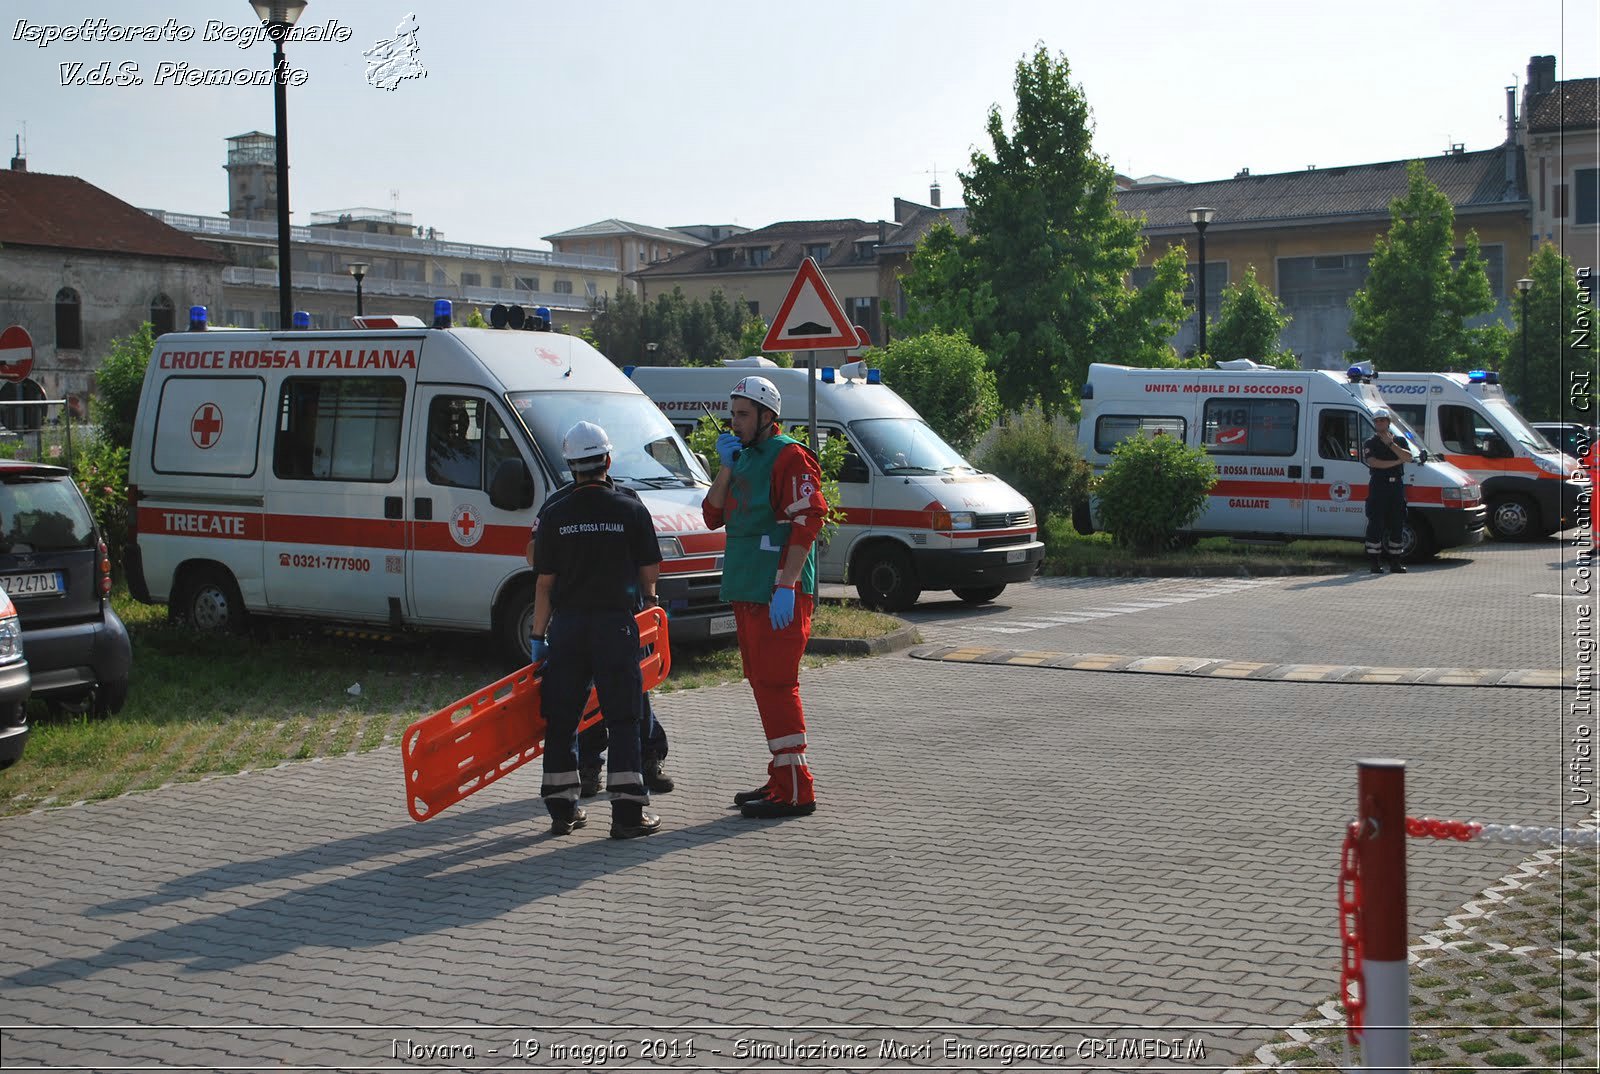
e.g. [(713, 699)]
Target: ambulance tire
[(885, 579), (1513, 518), (513, 623), (1416, 540), (982, 594), (209, 601)]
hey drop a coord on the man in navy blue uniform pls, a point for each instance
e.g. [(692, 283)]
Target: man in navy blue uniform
[(596, 558), (1385, 454)]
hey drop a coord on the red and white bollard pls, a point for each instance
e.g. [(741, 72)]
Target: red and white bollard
[(1381, 821)]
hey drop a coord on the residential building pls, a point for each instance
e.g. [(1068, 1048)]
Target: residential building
[(1561, 139), (1309, 235), (79, 268), (758, 266), (630, 246)]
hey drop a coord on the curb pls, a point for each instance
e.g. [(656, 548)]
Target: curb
[(1220, 571), (904, 638)]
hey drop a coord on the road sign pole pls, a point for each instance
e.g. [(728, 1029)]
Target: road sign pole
[(811, 401)]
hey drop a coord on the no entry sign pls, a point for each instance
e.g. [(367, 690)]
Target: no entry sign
[(16, 354)]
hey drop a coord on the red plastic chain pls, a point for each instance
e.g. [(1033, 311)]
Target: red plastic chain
[(1433, 828), (1355, 1002)]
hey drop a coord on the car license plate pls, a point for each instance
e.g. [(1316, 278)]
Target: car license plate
[(724, 624), (27, 585), (1017, 556)]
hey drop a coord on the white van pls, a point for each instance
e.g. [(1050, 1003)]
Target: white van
[(1530, 487), (389, 476), (917, 516), (1287, 447)]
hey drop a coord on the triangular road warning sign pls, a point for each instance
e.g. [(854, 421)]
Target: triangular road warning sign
[(810, 318)]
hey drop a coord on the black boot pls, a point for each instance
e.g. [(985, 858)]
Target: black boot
[(589, 782), (1395, 566), (565, 816), (1376, 564), (656, 780), (630, 820), (756, 795)]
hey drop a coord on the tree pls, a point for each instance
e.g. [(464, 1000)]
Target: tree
[(1039, 281), (1412, 312), (1560, 360), (685, 331), (1154, 486), (1032, 455), (117, 385), (1249, 325), (946, 379)]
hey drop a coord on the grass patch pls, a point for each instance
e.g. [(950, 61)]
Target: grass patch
[(1068, 552), (203, 706)]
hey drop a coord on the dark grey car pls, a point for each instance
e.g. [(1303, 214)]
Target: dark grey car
[(57, 572)]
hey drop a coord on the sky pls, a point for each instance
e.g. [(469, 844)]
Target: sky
[(535, 118)]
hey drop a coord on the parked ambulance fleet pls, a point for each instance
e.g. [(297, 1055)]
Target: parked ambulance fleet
[(1287, 447), (917, 516), (388, 475)]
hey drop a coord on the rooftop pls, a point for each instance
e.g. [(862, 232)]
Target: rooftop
[(1571, 104), (66, 213), (612, 227), (788, 242)]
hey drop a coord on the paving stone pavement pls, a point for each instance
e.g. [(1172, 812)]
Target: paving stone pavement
[(1051, 854)]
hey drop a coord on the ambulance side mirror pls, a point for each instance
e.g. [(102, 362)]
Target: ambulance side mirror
[(511, 488)]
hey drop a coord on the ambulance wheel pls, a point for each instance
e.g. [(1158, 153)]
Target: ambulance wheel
[(514, 623), (982, 594), (885, 579), (209, 601), (1416, 540), (1511, 518)]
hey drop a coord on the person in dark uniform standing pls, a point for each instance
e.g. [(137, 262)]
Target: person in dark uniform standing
[(1385, 454), (596, 559)]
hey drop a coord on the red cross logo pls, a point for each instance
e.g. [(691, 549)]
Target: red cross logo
[(206, 427), (548, 355), (466, 529)]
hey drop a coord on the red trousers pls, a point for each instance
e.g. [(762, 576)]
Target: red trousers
[(772, 664)]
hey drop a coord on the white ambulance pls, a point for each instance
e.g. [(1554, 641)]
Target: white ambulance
[(1531, 488), (917, 516), (1287, 447), (389, 476)]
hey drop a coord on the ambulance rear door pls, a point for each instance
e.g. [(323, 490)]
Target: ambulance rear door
[(461, 548), (1336, 489), (1256, 442)]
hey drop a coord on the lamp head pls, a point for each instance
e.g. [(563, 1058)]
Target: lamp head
[(358, 269), (278, 12), (1201, 215)]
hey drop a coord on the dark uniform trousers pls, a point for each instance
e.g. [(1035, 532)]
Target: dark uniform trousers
[(1386, 514), (600, 648)]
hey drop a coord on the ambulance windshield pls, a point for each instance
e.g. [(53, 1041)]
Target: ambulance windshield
[(644, 448), (1513, 424), (907, 446)]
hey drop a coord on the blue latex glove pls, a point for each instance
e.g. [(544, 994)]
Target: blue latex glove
[(782, 608), (728, 447), (538, 650)]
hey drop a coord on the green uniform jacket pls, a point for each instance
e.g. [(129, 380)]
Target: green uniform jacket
[(757, 539)]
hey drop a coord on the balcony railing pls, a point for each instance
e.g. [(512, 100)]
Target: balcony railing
[(343, 283), (223, 226)]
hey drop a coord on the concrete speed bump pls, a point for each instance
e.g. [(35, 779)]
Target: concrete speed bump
[(1212, 668)]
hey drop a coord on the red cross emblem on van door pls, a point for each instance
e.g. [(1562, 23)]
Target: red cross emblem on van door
[(466, 528), (206, 427)]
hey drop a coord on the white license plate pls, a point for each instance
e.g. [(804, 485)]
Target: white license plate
[(724, 624), (27, 585), (1018, 556)]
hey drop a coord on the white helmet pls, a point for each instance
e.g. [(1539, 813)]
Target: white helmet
[(586, 447), (1382, 412), (761, 391)]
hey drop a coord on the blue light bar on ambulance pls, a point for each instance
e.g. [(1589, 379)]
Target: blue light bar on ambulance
[(197, 318), (1483, 376), (302, 321), (627, 371), (829, 374), (543, 313), (874, 376), (1360, 371), (441, 313)]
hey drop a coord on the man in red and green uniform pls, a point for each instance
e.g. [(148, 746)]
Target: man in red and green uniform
[(769, 494)]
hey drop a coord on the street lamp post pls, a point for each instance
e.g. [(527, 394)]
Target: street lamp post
[(1200, 216), (358, 269), (278, 16), (1524, 285), (650, 349)]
